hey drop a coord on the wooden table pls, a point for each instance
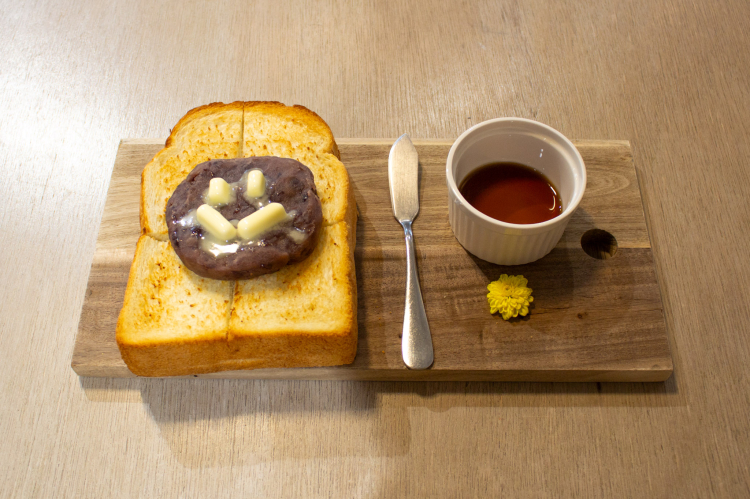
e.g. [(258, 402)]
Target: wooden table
[(669, 77)]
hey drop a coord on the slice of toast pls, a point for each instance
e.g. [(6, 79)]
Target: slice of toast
[(274, 129), (303, 315), (218, 130), (176, 323), (333, 186), (208, 132), (172, 321)]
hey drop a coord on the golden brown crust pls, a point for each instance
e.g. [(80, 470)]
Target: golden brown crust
[(351, 213), (352, 239), (129, 295), (146, 225), (177, 358), (142, 218)]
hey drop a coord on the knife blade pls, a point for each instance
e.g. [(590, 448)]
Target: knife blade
[(403, 179)]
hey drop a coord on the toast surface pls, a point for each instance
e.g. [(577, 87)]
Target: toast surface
[(171, 318), (304, 314), (274, 129), (333, 186)]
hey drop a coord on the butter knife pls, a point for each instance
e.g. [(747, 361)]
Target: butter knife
[(403, 177)]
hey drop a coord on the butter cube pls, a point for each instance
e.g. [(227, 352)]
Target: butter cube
[(256, 224), (256, 184), (219, 192), (215, 223)]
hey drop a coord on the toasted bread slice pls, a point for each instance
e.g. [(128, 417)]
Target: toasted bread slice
[(274, 129), (216, 131), (172, 321), (303, 315), (333, 186), (208, 132)]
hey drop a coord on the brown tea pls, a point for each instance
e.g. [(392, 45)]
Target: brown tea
[(512, 193)]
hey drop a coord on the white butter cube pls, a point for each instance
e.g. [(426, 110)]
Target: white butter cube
[(215, 223), (219, 192), (256, 224), (256, 184)]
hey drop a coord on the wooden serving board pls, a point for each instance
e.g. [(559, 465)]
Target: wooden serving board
[(591, 319)]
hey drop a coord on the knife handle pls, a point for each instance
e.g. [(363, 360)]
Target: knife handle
[(416, 340)]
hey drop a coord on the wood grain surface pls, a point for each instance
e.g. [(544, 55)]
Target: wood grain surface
[(670, 77), (592, 320)]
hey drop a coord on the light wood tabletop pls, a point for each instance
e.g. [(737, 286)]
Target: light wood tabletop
[(670, 77)]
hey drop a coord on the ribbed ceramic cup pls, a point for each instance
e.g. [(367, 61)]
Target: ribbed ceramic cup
[(515, 140)]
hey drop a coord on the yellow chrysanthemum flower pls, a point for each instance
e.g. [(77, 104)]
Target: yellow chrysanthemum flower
[(509, 296)]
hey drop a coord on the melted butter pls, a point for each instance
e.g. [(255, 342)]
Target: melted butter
[(295, 234), (190, 219), (217, 247)]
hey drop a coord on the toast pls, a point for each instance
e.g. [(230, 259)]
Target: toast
[(174, 322), (208, 132), (171, 318), (273, 129), (243, 129), (312, 302)]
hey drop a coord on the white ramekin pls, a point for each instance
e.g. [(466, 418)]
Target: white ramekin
[(522, 141)]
